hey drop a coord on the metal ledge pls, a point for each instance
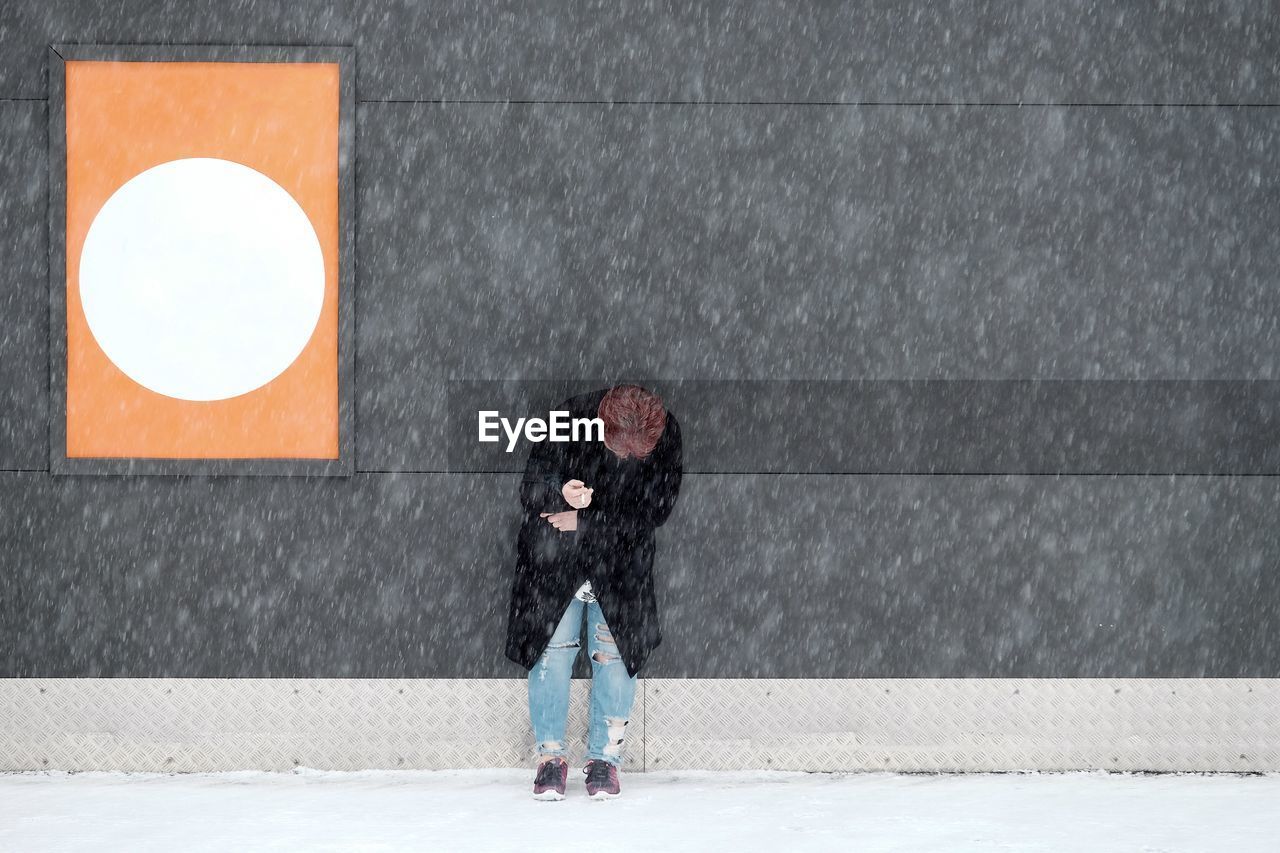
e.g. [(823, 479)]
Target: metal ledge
[(188, 725)]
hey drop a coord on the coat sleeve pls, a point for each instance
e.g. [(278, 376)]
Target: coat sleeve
[(650, 506), (543, 479)]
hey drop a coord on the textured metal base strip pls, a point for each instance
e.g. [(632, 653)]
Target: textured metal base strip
[(965, 724), (795, 724)]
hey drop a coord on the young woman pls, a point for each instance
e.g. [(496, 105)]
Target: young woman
[(586, 548)]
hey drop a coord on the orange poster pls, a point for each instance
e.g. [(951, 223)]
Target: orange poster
[(202, 237)]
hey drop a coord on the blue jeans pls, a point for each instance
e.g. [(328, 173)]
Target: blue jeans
[(612, 689)]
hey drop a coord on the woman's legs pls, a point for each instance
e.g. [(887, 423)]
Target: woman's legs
[(549, 683), (612, 690)]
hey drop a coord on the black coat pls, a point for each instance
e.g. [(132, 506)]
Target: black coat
[(613, 545)]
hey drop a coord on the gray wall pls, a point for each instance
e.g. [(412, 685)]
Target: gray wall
[(877, 216)]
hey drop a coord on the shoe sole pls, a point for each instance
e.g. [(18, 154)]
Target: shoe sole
[(603, 795), (549, 795)]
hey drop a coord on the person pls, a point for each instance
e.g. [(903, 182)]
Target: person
[(586, 548)]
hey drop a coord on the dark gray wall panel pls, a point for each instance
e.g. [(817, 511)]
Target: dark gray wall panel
[(722, 243), (793, 577), (28, 27), (961, 576), (1219, 52), (778, 50), (751, 242), (232, 576), (24, 301)]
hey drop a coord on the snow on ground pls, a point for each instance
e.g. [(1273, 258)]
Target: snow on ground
[(492, 810)]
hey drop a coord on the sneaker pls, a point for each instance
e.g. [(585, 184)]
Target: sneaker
[(602, 780), (550, 781)]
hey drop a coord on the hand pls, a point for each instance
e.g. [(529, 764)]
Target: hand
[(577, 494), (562, 521)]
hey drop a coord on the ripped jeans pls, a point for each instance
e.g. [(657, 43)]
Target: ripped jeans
[(612, 689)]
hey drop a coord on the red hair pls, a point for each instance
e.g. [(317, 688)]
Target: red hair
[(633, 420)]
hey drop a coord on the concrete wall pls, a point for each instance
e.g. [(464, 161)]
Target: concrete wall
[(860, 196)]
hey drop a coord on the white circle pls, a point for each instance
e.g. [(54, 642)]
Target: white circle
[(202, 279)]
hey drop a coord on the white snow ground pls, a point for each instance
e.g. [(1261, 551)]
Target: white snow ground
[(492, 810)]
